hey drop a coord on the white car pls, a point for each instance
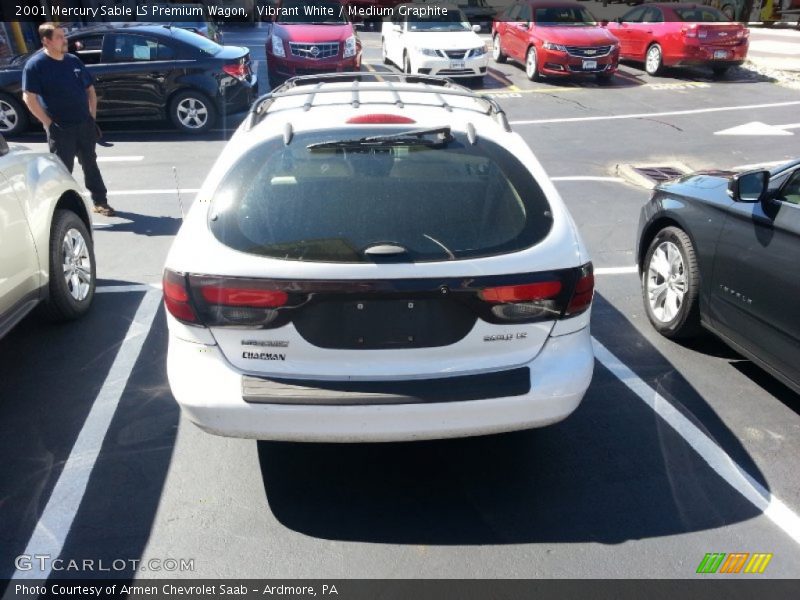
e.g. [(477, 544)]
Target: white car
[(376, 261), (45, 238), (442, 45)]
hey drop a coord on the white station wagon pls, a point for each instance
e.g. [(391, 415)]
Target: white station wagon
[(377, 261)]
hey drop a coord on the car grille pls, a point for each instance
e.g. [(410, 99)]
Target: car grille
[(314, 51), (456, 54), (588, 51)]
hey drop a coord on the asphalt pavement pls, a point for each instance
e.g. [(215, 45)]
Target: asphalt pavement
[(676, 451)]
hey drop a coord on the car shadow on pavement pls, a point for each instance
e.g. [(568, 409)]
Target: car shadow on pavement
[(611, 472), (52, 375), (697, 74), (144, 224)]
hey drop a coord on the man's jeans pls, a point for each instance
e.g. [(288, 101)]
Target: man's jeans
[(69, 141)]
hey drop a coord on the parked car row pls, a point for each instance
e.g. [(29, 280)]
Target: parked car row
[(557, 39), (145, 72)]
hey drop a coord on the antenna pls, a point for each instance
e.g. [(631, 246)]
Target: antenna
[(178, 190)]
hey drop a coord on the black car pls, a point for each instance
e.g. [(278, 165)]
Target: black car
[(721, 250), (148, 72)]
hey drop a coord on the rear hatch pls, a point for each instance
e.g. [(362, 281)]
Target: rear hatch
[(333, 203)]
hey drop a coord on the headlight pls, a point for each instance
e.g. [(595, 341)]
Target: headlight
[(350, 46), (277, 46), (480, 51), (551, 46), (428, 51)]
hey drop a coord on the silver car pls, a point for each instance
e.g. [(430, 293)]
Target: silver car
[(46, 250)]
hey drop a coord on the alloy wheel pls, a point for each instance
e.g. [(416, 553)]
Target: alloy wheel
[(192, 113), (76, 264), (666, 282), (8, 117)]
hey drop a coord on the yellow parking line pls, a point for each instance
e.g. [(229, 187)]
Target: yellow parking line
[(372, 69)]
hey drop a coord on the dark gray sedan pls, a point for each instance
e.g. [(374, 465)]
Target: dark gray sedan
[(721, 250)]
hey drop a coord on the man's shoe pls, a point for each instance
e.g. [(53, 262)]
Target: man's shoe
[(104, 209)]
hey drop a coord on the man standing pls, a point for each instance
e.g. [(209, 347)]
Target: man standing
[(59, 91)]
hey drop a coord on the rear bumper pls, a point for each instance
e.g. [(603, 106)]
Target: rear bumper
[(240, 95), (693, 56), (209, 392)]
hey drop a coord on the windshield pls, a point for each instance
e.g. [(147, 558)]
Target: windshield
[(563, 16), (454, 20), (310, 12), (700, 14), (330, 204)]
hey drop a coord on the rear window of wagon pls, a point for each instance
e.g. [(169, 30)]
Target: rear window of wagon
[(456, 202)]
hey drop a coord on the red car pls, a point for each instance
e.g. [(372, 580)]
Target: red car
[(554, 39), (302, 45), (677, 35)]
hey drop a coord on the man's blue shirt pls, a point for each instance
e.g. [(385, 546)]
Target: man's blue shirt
[(61, 87)]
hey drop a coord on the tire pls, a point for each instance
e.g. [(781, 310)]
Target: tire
[(654, 60), (671, 284), (720, 71), (14, 117), (497, 50), (532, 64), (385, 56), (180, 112), (73, 272)]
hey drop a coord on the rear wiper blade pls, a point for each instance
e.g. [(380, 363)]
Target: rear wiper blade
[(407, 138)]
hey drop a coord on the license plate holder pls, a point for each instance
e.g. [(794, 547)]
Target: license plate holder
[(457, 64), (720, 54), (590, 65)]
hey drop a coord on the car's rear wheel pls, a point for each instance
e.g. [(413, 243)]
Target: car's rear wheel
[(654, 60), (671, 284), (532, 65), (497, 50), (192, 112), (72, 268), (13, 116)]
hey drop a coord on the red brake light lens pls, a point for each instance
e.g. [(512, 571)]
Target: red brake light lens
[(253, 298), (521, 293), (176, 297), (238, 70), (582, 296), (380, 119)]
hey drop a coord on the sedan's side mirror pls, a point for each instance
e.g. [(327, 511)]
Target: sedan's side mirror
[(749, 187), (476, 28), (3, 146), (397, 28)]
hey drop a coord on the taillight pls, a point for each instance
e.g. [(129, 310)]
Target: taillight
[(527, 301), (380, 119), (176, 297), (521, 293), (564, 294), (583, 293), (690, 31), (238, 70), (233, 301), (233, 296)]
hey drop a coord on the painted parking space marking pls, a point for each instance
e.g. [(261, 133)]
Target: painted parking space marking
[(56, 520), (120, 158), (741, 481), (588, 178), (669, 113), (153, 192), (136, 287), (616, 270)]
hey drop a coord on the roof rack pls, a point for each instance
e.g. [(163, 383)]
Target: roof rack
[(394, 83)]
